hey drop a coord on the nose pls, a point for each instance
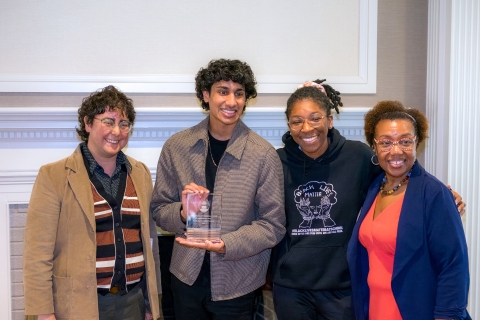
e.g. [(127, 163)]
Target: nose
[(396, 148), (230, 99), (116, 130), (306, 126)]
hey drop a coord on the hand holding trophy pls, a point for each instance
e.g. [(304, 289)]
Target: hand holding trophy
[(202, 215)]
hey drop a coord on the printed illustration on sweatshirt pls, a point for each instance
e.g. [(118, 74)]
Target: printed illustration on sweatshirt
[(314, 200)]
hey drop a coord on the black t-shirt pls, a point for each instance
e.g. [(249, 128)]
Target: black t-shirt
[(216, 149)]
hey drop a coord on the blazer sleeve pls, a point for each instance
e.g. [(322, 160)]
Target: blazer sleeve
[(448, 248), (269, 227), (40, 236), (166, 199), (153, 229)]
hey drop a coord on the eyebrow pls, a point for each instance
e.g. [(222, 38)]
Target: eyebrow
[(121, 120), (387, 137), (228, 88), (311, 114)]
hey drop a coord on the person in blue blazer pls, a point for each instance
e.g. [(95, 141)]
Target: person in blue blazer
[(408, 254)]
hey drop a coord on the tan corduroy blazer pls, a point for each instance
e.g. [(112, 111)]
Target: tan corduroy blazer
[(59, 273)]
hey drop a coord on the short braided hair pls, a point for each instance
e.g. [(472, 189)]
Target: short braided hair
[(327, 102), (332, 94)]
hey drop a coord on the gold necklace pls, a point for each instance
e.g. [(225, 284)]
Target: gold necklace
[(211, 156)]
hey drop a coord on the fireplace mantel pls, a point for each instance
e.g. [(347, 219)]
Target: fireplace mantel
[(30, 137)]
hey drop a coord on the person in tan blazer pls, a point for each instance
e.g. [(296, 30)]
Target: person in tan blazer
[(89, 233)]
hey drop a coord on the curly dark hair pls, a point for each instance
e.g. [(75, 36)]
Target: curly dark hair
[(393, 110), (108, 98), (226, 70), (327, 102)]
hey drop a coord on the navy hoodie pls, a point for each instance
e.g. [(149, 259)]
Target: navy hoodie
[(323, 197)]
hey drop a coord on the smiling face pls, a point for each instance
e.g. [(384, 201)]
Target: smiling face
[(105, 145), (226, 100), (313, 141), (397, 162)]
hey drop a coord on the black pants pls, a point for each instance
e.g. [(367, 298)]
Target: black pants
[(165, 246), (312, 304), (195, 302)]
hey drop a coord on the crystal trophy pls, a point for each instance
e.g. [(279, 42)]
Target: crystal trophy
[(202, 223)]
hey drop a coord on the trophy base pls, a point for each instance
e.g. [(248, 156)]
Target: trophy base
[(200, 235)]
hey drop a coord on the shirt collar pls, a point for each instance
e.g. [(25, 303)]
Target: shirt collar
[(93, 164)]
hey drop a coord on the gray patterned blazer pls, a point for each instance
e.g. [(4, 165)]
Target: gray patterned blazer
[(250, 176)]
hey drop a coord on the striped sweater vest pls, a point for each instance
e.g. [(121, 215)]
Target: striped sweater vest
[(120, 258)]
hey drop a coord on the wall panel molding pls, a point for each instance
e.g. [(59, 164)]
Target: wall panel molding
[(62, 75)]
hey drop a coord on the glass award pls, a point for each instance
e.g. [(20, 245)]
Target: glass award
[(202, 223)]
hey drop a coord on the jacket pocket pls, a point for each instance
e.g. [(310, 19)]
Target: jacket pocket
[(314, 268), (62, 296)]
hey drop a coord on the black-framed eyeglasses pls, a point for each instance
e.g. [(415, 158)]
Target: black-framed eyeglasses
[(108, 124), (405, 144), (314, 122)]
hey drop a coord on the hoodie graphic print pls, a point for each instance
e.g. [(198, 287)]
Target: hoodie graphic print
[(314, 201)]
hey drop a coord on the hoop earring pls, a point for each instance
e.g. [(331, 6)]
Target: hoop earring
[(372, 160)]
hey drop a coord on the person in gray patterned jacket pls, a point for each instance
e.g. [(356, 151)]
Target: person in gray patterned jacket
[(217, 279)]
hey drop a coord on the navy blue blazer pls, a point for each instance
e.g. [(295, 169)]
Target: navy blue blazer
[(430, 271)]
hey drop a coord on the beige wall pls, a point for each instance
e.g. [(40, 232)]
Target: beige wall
[(402, 55), (401, 70)]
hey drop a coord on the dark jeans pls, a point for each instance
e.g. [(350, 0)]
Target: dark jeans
[(312, 304), (127, 307), (195, 302)]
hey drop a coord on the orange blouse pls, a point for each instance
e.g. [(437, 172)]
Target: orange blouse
[(379, 237)]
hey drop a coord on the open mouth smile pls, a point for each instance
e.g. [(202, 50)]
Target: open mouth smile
[(396, 163), (112, 141), (229, 113), (310, 139)]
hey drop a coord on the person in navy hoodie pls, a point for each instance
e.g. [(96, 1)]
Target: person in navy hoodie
[(326, 180), (408, 253)]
